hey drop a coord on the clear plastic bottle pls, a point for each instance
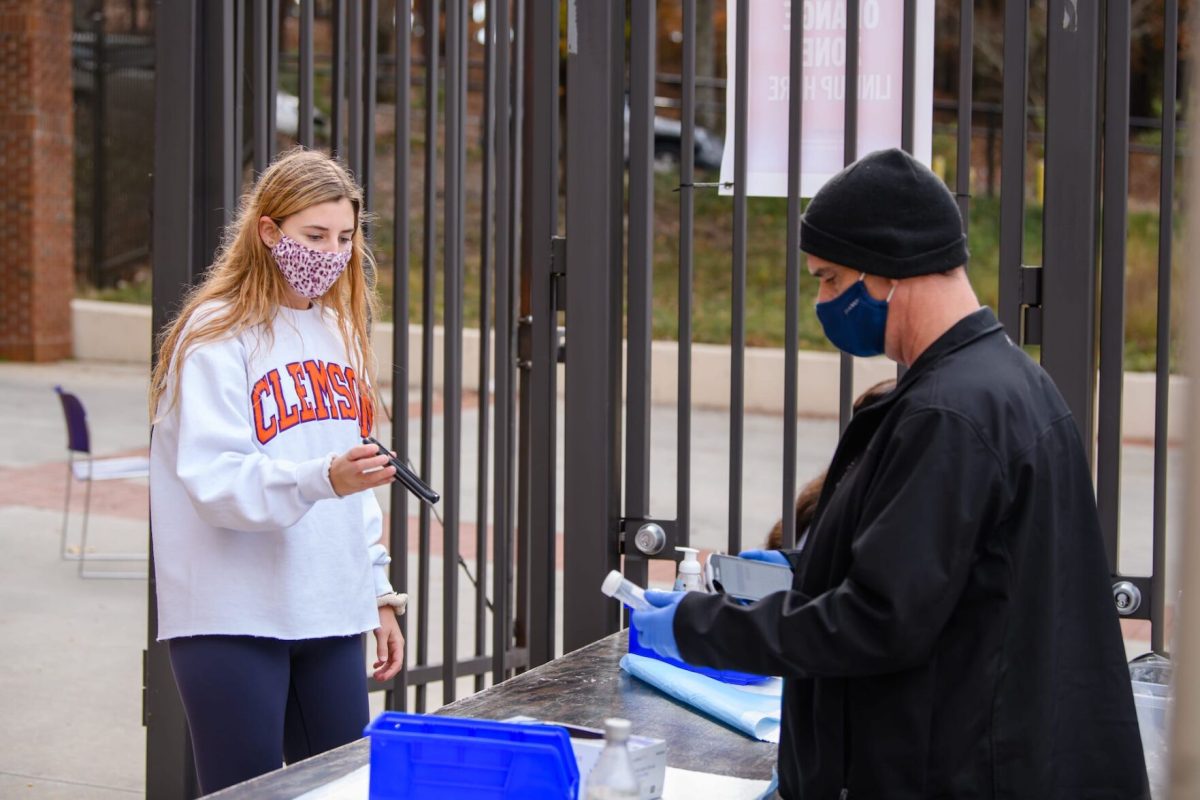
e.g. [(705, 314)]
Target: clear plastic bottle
[(613, 777), (618, 587)]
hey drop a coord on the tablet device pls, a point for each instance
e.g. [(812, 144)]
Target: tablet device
[(746, 579)]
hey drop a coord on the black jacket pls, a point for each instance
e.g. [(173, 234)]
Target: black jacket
[(950, 632)]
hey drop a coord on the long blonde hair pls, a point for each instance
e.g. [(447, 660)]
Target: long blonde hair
[(248, 286)]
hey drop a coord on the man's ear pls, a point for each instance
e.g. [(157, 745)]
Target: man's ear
[(268, 231)]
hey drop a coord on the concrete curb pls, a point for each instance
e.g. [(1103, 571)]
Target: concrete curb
[(120, 332)]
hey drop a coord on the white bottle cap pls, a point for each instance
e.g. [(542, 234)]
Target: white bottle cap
[(612, 582), (617, 729)]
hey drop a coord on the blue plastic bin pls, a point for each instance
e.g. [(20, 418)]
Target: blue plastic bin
[(723, 675), (414, 757)]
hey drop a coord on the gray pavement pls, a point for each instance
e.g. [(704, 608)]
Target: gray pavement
[(70, 649)]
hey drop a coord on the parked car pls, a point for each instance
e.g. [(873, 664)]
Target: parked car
[(668, 144)]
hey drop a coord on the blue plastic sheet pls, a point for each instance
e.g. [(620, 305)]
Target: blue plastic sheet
[(753, 710)]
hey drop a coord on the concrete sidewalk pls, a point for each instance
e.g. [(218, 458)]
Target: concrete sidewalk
[(70, 649)]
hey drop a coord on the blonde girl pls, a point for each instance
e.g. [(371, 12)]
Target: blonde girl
[(267, 537)]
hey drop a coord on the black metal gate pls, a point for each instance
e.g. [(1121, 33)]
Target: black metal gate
[(1071, 307), (472, 91)]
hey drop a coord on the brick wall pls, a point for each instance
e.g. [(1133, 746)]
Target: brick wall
[(36, 181)]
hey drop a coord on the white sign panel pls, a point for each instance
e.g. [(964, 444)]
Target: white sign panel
[(880, 88)]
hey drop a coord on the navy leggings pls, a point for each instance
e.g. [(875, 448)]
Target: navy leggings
[(253, 703)]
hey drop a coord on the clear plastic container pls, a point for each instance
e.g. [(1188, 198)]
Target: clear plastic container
[(618, 587), (613, 777)]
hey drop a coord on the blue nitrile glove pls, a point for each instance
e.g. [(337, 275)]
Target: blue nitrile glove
[(767, 556), (656, 627)]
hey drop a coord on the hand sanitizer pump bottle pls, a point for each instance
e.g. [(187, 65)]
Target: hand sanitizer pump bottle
[(613, 777), (688, 578)]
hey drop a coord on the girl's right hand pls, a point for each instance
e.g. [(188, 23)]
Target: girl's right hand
[(349, 472)]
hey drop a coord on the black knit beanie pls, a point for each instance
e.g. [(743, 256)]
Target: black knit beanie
[(886, 214)]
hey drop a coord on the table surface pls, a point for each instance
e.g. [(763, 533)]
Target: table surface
[(580, 688)]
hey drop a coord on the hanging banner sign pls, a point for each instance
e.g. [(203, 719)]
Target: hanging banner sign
[(880, 88)]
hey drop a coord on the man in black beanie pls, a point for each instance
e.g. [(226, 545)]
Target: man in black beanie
[(950, 631)]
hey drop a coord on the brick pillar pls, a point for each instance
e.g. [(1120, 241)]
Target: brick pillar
[(37, 273)]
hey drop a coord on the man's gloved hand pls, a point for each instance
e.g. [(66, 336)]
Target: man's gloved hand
[(767, 556), (656, 627)]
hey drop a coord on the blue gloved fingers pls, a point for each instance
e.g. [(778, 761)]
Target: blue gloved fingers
[(768, 556), (656, 628), (660, 599)]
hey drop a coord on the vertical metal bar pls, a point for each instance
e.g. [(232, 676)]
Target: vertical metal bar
[(1162, 382), (99, 162), (239, 94), (687, 211), (592, 490), (539, 225), (338, 79), (262, 93), (397, 697), (169, 767), (487, 134), (792, 321), (1069, 274), (1112, 276), (370, 67), (456, 61), (966, 95), (272, 45), (642, 35), (306, 73), (908, 69), (354, 88), (522, 606), (428, 284), (217, 143), (737, 345), (499, 27), (1014, 122), (849, 155)]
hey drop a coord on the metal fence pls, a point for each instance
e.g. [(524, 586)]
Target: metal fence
[(218, 72)]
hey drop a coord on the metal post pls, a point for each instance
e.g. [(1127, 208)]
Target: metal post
[(499, 28), (1162, 382), (539, 224), (355, 137), (792, 322), (592, 489), (1112, 276), (1012, 164), (432, 14), (456, 62), (687, 207), (737, 345), (642, 34), (966, 94), (338, 79), (170, 772), (370, 70), (305, 129), (397, 696), (849, 154), (263, 97), (487, 136), (1069, 274)]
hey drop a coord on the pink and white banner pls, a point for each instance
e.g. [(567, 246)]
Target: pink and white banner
[(880, 88)]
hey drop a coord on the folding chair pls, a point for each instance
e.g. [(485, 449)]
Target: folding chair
[(81, 466)]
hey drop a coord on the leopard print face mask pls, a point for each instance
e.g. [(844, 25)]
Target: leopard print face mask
[(310, 272)]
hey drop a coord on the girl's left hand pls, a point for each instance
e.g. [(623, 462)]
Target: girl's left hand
[(389, 645)]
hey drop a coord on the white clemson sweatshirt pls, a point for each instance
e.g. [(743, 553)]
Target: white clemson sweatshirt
[(249, 536)]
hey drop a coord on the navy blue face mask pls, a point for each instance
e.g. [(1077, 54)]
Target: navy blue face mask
[(854, 321)]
